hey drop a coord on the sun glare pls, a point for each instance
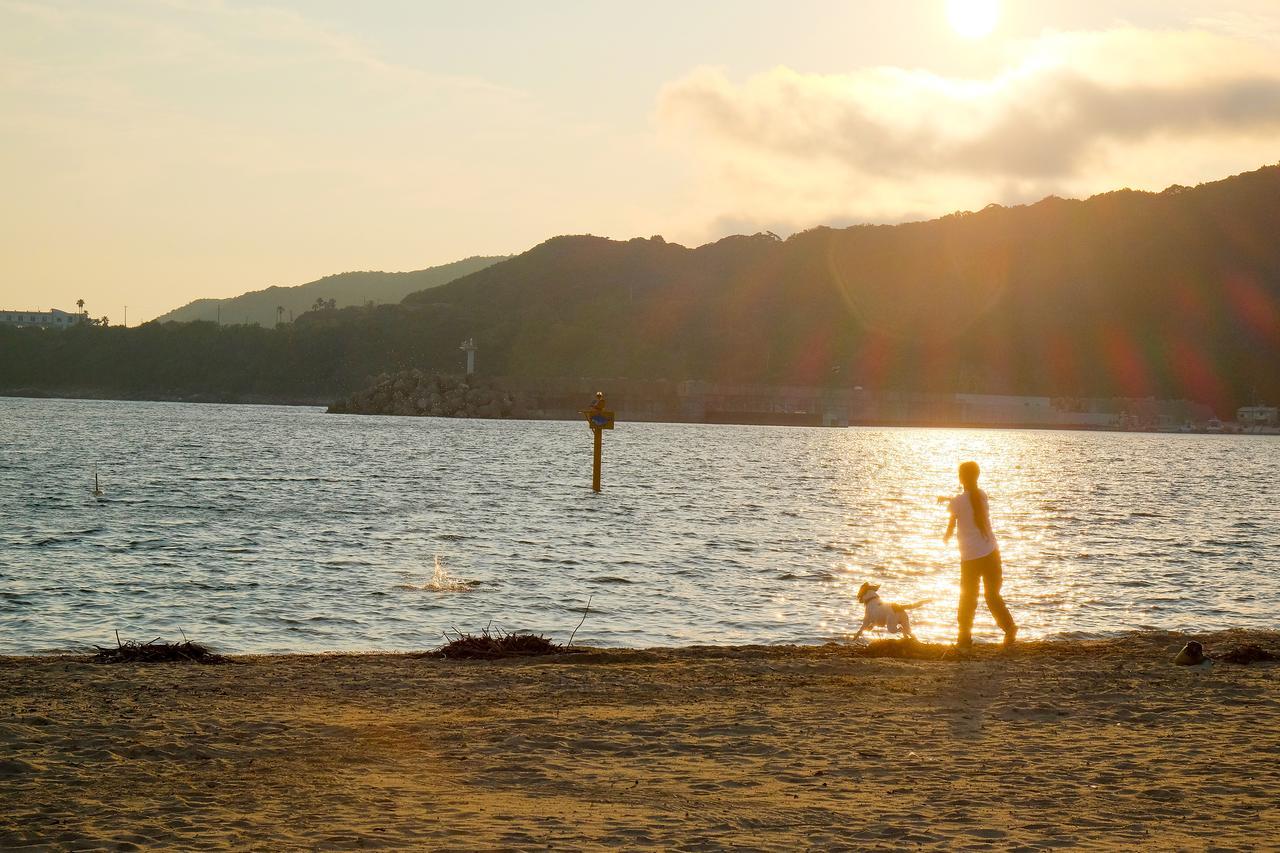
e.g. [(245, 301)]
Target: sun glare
[(973, 18)]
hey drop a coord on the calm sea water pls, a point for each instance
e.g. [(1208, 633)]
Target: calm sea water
[(275, 529)]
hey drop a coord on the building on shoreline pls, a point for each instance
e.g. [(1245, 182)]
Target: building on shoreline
[(1258, 417), (51, 319)]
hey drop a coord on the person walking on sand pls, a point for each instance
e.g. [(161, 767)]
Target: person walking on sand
[(979, 557)]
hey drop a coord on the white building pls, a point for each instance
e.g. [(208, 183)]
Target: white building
[(1258, 416), (51, 319)]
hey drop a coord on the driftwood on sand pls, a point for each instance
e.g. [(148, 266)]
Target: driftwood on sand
[(155, 651), (490, 645)]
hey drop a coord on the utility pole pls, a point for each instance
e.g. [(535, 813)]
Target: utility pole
[(126, 316)]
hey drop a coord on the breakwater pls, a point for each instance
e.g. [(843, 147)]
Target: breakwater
[(413, 392)]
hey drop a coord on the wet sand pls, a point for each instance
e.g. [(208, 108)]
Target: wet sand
[(1060, 744)]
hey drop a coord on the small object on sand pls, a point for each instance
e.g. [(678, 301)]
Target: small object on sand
[(1192, 654), (1246, 654)]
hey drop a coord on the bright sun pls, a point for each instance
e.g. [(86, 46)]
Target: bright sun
[(973, 18)]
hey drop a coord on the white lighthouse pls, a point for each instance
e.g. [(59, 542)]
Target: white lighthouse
[(469, 347)]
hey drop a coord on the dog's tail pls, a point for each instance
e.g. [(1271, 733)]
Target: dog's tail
[(913, 605)]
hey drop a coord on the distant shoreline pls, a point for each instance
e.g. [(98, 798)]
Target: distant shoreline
[(323, 402), (222, 399)]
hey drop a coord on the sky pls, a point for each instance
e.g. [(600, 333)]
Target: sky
[(157, 151)]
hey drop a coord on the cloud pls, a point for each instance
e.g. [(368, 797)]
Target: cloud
[(1071, 111)]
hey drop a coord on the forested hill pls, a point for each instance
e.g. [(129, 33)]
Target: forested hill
[(1127, 293), (345, 289), (1172, 294)]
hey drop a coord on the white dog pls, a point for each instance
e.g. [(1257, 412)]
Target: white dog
[(880, 614)]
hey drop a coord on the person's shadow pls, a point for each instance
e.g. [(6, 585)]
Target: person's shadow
[(973, 686)]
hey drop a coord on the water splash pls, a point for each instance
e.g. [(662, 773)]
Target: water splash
[(442, 581)]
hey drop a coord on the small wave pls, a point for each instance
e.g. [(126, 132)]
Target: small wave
[(816, 576), (610, 579), (430, 586)]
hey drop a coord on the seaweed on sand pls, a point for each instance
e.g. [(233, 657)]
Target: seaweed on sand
[(1246, 653), (904, 648)]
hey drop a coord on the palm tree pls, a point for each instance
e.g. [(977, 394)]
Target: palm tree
[(80, 305), (279, 314)]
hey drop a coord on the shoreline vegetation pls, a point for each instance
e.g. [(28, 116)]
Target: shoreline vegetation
[(1094, 744)]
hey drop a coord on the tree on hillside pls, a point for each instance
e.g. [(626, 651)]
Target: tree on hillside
[(279, 314), (80, 305)]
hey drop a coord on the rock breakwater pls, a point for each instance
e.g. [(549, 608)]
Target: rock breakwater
[(414, 392)]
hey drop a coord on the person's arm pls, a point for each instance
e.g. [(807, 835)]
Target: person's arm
[(951, 528)]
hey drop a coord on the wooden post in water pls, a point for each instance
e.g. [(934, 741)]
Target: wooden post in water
[(595, 461), (598, 420)]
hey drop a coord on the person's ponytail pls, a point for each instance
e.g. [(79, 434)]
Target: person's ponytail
[(977, 500), (981, 515)]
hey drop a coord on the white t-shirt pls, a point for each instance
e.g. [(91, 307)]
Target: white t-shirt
[(972, 543)]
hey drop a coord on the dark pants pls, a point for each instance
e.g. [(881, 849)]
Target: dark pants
[(987, 571)]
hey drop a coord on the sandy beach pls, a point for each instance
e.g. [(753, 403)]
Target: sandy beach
[(1101, 744)]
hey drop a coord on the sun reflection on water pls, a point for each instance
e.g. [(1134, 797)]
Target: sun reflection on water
[(894, 522)]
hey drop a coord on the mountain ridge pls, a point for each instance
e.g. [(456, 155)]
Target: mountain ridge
[(355, 287), (1126, 292)]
